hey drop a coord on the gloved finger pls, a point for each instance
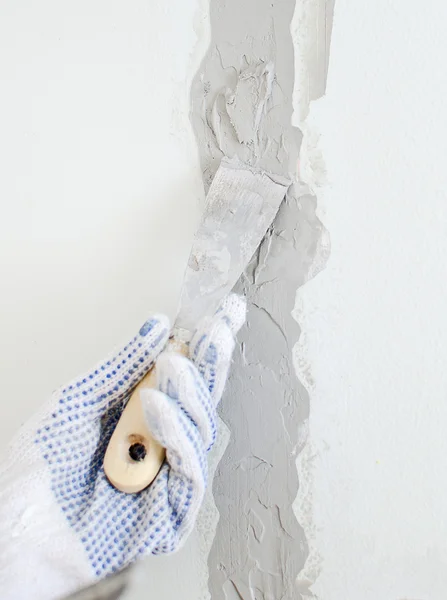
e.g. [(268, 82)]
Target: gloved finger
[(179, 379), (213, 343), (232, 310), (185, 481), (112, 379)]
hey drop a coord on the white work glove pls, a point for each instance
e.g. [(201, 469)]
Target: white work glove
[(62, 524)]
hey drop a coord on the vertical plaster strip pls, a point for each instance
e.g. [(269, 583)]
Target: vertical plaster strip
[(242, 104)]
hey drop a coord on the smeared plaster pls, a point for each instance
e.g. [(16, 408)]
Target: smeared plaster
[(242, 105)]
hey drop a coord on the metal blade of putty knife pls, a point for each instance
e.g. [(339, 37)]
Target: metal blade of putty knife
[(240, 206)]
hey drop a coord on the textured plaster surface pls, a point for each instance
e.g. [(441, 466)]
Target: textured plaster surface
[(260, 548)]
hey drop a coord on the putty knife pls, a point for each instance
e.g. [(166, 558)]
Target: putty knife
[(241, 205)]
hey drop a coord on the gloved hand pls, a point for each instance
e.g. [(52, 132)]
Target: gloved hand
[(62, 524)]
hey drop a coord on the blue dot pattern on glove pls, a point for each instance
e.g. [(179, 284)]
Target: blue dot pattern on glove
[(114, 527), (209, 362)]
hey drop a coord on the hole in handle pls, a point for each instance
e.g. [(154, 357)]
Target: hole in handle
[(137, 451)]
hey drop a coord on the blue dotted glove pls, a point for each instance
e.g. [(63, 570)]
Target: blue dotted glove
[(81, 526)]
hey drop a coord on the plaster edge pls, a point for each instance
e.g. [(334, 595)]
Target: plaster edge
[(309, 88)]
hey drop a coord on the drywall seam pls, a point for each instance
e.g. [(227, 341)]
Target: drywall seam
[(242, 105)]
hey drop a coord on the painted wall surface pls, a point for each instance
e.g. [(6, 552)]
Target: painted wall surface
[(374, 342), (100, 194), (100, 188)]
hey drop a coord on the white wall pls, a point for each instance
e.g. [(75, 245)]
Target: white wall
[(100, 188), (375, 322), (100, 193)]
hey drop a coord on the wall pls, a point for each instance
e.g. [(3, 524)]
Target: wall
[(100, 192), (332, 432), (101, 196), (374, 325)]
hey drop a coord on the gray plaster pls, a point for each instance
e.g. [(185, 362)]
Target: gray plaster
[(259, 547)]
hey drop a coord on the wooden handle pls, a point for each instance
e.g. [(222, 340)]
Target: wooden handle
[(133, 458)]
